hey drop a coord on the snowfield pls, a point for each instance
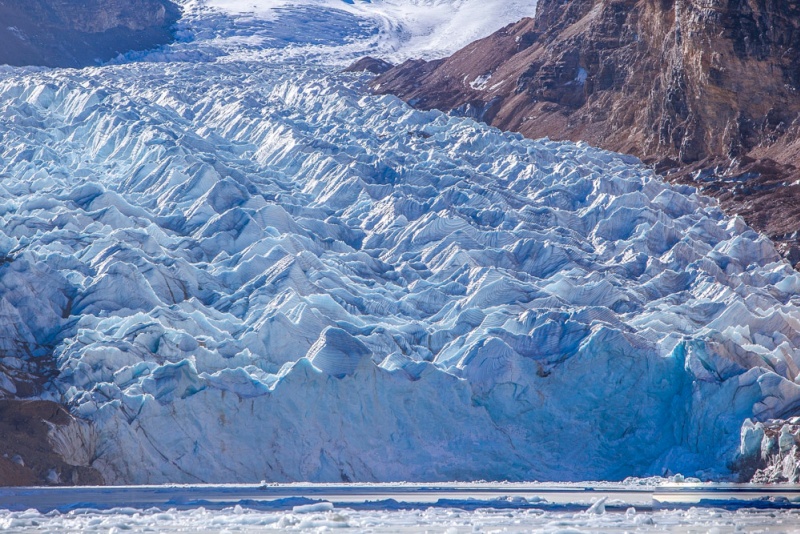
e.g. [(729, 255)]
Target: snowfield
[(238, 266), (426, 29)]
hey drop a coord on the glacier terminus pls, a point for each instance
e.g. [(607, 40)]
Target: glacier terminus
[(234, 264)]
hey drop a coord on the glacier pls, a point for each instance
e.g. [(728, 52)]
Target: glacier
[(237, 265), (428, 29)]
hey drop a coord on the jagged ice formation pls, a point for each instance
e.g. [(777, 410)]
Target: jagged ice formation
[(248, 270)]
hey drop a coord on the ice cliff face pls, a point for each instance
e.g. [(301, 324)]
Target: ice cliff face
[(240, 269), (249, 273)]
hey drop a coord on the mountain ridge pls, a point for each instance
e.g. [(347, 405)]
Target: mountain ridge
[(68, 33)]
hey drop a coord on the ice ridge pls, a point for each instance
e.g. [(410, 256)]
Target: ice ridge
[(245, 271)]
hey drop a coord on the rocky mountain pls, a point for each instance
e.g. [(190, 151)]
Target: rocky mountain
[(706, 90), (76, 33)]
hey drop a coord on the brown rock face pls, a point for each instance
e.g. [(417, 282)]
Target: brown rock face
[(706, 90), (28, 452), (76, 33)]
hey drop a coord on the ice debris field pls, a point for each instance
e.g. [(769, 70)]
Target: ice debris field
[(636, 505), (239, 266), (431, 520)]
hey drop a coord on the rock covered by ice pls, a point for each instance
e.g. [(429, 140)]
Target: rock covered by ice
[(251, 271)]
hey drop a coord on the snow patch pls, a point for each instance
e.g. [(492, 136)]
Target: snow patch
[(582, 76), (479, 83)]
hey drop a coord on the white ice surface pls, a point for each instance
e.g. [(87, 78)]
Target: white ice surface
[(246, 268), (410, 28), (432, 520), (643, 505)]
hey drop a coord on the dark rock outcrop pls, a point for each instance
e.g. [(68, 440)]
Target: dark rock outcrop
[(708, 91), (369, 64), (78, 33), (29, 447)]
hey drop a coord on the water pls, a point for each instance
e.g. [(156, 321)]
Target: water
[(450, 508)]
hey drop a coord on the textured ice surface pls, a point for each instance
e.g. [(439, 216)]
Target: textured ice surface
[(433, 520), (333, 31), (409, 28), (245, 269), (636, 505)]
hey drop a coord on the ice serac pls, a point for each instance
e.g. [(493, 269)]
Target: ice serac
[(337, 353), (78, 33), (240, 269), (706, 91)]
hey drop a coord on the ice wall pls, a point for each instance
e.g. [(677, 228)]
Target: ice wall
[(251, 271)]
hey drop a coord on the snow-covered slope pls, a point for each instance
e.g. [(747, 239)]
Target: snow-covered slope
[(405, 28), (247, 269)]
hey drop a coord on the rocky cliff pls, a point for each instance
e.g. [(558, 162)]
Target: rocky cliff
[(705, 90), (42, 444), (76, 33)]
